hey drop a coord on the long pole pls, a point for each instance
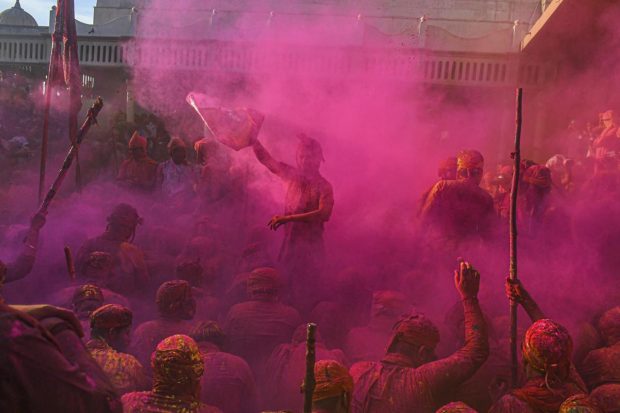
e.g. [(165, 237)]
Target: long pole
[(310, 382), (516, 155), (91, 118)]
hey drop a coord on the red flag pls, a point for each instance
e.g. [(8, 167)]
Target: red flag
[(64, 71)]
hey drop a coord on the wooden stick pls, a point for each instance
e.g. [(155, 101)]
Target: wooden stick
[(516, 155), (310, 382), (70, 263)]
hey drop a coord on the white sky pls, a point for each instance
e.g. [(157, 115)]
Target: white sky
[(40, 9)]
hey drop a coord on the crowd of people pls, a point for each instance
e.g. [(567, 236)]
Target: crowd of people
[(197, 315)]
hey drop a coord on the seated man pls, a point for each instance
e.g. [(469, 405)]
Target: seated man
[(228, 382), (601, 367), (177, 369), (409, 378), (255, 327), (36, 373), (333, 388), (110, 336), (129, 268), (176, 307)]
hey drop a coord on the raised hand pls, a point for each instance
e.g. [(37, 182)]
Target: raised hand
[(467, 280)]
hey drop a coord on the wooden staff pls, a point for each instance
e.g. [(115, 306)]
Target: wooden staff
[(516, 155), (91, 118), (310, 382), (70, 263)]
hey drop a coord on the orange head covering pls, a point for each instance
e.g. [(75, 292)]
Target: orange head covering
[(547, 348), (580, 403), (416, 330), (609, 326), (111, 316), (456, 407), (469, 159), (137, 141), (176, 362), (332, 380), (172, 295)]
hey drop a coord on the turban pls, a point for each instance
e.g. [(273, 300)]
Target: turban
[(171, 296), (469, 159), (208, 331), (609, 325), (137, 141), (391, 303), (416, 330), (579, 403), (111, 316), (310, 146), (538, 175), (556, 162), (547, 346), (125, 214), (176, 143), (456, 407), (264, 278), (332, 379), (87, 292), (176, 361)]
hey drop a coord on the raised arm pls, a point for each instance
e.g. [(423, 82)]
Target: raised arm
[(442, 375), (516, 292), (279, 168)]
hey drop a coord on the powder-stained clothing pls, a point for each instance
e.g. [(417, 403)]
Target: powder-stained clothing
[(138, 173), (130, 272), (176, 180), (148, 334), (227, 382), (287, 368), (35, 375), (394, 385), (124, 370), (535, 397), (458, 211), (153, 402), (255, 328), (607, 396)]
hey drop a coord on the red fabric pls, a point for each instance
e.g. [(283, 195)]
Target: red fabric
[(538, 396)]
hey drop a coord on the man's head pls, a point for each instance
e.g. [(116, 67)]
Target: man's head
[(547, 349), (389, 304), (416, 337), (263, 284), (122, 222), (86, 299), (112, 323), (209, 332), (309, 154), (447, 169), (177, 366), (333, 387), (580, 403), (137, 146), (175, 300), (178, 151), (609, 326), (98, 267), (469, 166), (607, 118)]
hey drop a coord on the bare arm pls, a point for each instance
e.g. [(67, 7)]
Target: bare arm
[(451, 371), (516, 292), (322, 213), (276, 167)]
